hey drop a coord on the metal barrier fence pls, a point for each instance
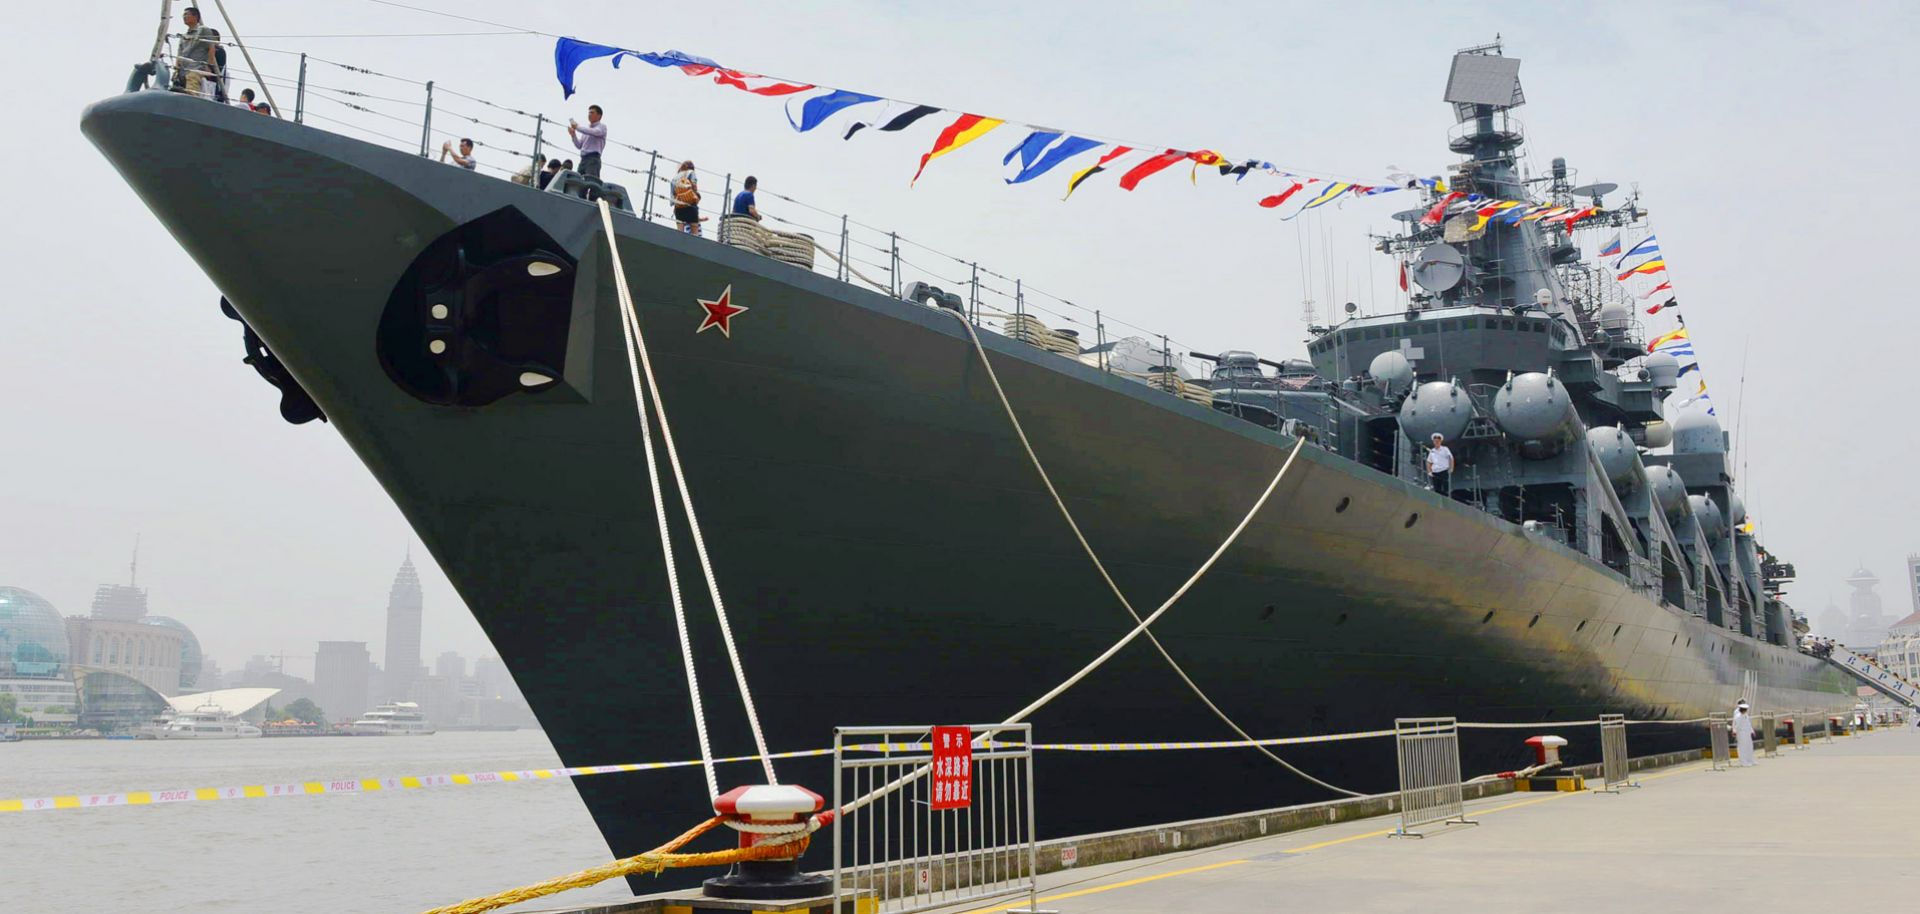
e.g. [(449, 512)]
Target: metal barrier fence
[(1717, 731), (1430, 789), (1613, 753), (956, 827), (1769, 735)]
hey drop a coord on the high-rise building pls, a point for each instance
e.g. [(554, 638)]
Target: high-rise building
[(1913, 580), (450, 666), (160, 652), (342, 674), (403, 631), (1866, 621), (495, 681), (439, 699), (120, 602)]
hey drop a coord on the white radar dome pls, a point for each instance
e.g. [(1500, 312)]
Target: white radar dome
[(1696, 431), (1391, 371), (1662, 369)]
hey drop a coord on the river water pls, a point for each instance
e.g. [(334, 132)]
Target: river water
[(388, 851)]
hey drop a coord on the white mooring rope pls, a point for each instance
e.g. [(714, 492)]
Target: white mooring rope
[(1115, 587), (819, 820), (636, 343)]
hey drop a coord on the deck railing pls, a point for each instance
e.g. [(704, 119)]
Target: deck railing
[(512, 142)]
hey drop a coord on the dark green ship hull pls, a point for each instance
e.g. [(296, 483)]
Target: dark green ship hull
[(885, 548)]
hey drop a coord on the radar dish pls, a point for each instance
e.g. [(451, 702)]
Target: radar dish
[(1439, 267), (1484, 79), (1594, 190), (1461, 229), (1409, 215)]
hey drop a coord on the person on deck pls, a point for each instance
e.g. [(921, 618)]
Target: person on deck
[(546, 177), (686, 198), (1440, 465), (464, 158), (744, 203), (1743, 733), (591, 140), (199, 60)]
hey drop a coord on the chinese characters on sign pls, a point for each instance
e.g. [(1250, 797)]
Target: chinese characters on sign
[(952, 767)]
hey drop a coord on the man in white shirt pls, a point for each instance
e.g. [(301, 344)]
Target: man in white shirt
[(1440, 465), (1742, 725)]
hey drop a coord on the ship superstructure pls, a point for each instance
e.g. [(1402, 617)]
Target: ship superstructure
[(1526, 358)]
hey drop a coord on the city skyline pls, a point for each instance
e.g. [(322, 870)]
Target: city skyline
[(451, 627)]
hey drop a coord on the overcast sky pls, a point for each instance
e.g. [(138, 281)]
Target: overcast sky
[(1773, 143)]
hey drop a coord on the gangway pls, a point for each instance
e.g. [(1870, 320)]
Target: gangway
[(1880, 678)]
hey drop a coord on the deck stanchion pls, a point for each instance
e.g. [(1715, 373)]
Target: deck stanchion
[(1100, 340), (653, 166), (426, 122), (973, 292), (893, 253), (300, 92), (842, 272), (539, 158)]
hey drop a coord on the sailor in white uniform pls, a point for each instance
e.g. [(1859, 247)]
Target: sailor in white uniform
[(1743, 732)]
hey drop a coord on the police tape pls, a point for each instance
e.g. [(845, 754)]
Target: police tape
[(349, 785), (417, 782)]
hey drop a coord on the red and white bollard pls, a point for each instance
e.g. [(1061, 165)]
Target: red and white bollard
[(764, 812), (1546, 749)]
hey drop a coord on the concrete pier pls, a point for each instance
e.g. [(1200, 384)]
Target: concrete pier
[(1832, 824)]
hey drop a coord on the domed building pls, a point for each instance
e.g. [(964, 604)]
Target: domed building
[(35, 657), (190, 656)]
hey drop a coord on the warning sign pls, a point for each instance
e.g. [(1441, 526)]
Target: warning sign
[(952, 767)]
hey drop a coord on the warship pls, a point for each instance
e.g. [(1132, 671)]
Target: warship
[(889, 552)]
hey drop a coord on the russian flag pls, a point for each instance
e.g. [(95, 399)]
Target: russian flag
[(1612, 248)]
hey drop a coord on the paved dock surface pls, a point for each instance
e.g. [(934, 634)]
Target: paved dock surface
[(1833, 825)]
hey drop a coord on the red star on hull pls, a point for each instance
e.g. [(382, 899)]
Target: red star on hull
[(720, 313)]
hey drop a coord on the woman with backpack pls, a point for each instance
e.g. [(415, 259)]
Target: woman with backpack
[(686, 199)]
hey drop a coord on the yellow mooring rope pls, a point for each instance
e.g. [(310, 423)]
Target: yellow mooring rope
[(652, 862)]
